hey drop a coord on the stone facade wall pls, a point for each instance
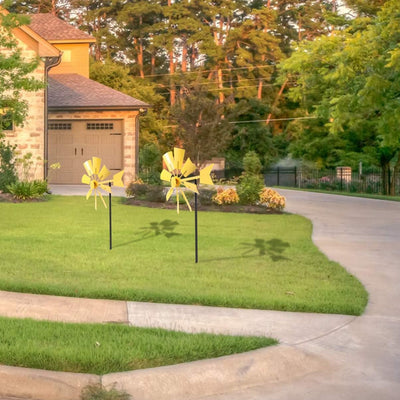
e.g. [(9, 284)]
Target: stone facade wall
[(29, 138), (130, 134)]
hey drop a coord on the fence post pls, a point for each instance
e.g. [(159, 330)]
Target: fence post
[(295, 176), (277, 176), (341, 179)]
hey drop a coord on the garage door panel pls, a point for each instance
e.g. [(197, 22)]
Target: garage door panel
[(82, 140)]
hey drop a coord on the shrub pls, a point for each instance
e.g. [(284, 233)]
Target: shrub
[(98, 392), (189, 196), (137, 189), (251, 181), (227, 196), (251, 163), (8, 173), (155, 193), (206, 196), (143, 191), (249, 189), (25, 190), (272, 199)]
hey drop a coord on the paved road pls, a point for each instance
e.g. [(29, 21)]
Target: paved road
[(364, 356)]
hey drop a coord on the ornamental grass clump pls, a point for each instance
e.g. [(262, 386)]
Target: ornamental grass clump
[(272, 199), (227, 196)]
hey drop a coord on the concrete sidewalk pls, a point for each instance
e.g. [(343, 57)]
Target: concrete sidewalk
[(81, 190)]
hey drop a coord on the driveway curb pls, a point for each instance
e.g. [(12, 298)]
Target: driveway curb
[(183, 381)]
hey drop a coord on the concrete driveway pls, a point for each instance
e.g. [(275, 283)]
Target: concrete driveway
[(364, 356)]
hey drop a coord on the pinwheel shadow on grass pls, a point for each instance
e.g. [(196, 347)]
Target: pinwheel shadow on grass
[(164, 228), (273, 248)]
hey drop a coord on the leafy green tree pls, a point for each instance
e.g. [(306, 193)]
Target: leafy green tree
[(250, 133), (15, 71), (350, 82), (15, 79), (200, 126)]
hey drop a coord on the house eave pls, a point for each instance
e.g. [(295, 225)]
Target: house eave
[(139, 108)]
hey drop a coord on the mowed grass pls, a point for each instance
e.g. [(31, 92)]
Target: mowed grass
[(102, 349), (245, 260)]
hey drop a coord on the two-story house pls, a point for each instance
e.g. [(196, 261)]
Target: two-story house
[(74, 118)]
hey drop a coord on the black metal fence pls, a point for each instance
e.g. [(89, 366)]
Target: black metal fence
[(340, 179)]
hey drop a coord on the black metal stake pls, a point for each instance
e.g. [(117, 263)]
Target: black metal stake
[(195, 230), (109, 214)]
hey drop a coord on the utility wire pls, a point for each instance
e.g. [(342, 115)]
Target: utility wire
[(206, 70), (271, 119)]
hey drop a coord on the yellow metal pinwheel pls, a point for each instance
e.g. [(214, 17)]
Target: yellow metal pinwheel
[(179, 172), (95, 178)]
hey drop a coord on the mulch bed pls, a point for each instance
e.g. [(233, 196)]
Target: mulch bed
[(9, 198), (232, 208)]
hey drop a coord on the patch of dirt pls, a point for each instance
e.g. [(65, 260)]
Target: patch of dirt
[(232, 208)]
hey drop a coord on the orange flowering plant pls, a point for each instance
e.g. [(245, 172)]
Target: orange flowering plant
[(272, 199), (226, 196)]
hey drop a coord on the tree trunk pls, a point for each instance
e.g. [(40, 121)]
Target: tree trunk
[(184, 56), (396, 171), (277, 99), (385, 177), (172, 87), (221, 96), (140, 59), (153, 64), (259, 90)]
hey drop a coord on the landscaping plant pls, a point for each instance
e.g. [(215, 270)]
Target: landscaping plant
[(251, 182)]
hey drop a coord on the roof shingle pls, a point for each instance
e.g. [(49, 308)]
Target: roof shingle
[(50, 27), (73, 91)]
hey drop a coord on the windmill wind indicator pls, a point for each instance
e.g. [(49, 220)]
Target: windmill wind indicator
[(96, 179), (180, 173)]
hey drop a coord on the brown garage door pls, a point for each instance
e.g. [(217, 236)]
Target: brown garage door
[(71, 143)]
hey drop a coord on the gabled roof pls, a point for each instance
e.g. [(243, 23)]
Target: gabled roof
[(44, 48), (75, 92), (55, 30)]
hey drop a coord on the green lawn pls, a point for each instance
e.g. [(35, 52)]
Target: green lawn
[(102, 349), (246, 260)]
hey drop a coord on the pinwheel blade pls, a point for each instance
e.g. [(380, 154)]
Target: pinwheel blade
[(88, 167), (96, 165), (179, 155), (86, 179), (104, 173), (105, 187), (191, 186), (169, 161), (89, 193), (117, 179), (170, 191), (188, 168), (104, 203), (187, 202), (205, 175), (165, 176)]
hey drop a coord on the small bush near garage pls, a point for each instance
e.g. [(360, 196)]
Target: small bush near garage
[(8, 173), (28, 190)]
